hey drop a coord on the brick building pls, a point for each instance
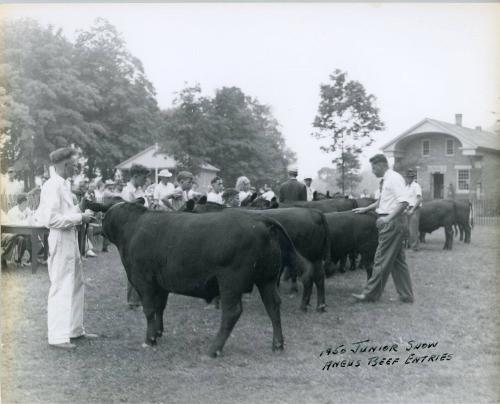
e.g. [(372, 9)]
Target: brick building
[(450, 160)]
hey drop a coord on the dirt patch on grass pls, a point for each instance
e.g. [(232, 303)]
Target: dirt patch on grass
[(456, 305)]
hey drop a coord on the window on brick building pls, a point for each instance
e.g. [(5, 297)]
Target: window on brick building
[(450, 147), (463, 180), (426, 147)]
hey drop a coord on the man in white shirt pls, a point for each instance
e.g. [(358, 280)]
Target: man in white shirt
[(215, 195), (132, 191), (309, 189), (21, 215), (164, 191), (10, 185), (58, 212), (183, 192), (390, 256), (413, 212)]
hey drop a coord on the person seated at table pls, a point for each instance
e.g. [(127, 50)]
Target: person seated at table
[(20, 215)]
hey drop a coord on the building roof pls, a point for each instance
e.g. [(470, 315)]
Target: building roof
[(470, 138), (153, 159)]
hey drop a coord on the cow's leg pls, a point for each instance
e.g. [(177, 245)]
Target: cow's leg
[(231, 312), (307, 283), (461, 229), (161, 303), (271, 299), (342, 263), (448, 233), (422, 237), (149, 309), (319, 281), (468, 231), (352, 260)]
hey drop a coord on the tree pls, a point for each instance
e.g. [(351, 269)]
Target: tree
[(347, 117), (231, 131), (349, 166), (329, 177), (43, 99), (125, 116)]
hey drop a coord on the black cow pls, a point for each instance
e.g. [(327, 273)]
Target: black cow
[(308, 231), (435, 214), (364, 202), (352, 234), (464, 219), (203, 256), (326, 205)]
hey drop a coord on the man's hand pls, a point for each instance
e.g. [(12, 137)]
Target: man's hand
[(360, 210), (381, 221), (87, 217)]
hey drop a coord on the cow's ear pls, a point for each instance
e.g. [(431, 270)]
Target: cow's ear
[(140, 201), (203, 200), (189, 206)]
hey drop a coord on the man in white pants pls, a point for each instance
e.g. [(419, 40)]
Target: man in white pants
[(58, 212)]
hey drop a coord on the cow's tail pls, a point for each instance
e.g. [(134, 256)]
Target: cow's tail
[(327, 256), (290, 256)]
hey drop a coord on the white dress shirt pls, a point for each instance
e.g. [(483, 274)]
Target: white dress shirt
[(393, 192), (414, 190), (57, 209), (16, 216), (161, 191), (216, 198), (130, 193), (310, 193)]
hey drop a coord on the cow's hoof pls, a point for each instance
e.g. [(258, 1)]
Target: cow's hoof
[(159, 334), (303, 308), (215, 354), (321, 308), (278, 347)]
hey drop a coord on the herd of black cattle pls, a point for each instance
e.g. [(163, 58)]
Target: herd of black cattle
[(211, 252)]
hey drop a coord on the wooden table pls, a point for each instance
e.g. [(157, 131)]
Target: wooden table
[(33, 232)]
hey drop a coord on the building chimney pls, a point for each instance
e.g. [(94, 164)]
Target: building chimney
[(479, 128), (458, 119)]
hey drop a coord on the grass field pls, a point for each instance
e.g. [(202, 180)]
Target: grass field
[(457, 296)]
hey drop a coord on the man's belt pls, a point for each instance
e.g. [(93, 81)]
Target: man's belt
[(382, 214)]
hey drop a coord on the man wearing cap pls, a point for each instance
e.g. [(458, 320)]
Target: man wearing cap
[(292, 190), (413, 212), (58, 212), (164, 191), (390, 256), (310, 190), (181, 195)]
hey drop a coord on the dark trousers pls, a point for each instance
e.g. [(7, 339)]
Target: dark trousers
[(390, 260)]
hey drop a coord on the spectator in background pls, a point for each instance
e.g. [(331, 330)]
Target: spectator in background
[(310, 190), (21, 215), (268, 193), (413, 211), (99, 190), (164, 191), (450, 191), (215, 195), (130, 193), (292, 190), (11, 185), (185, 182), (243, 187)]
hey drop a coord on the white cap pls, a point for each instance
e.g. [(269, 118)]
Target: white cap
[(165, 173)]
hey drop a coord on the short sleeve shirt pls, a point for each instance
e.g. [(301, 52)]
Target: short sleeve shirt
[(393, 192), (414, 190)]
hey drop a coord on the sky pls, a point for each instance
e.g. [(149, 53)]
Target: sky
[(419, 60)]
